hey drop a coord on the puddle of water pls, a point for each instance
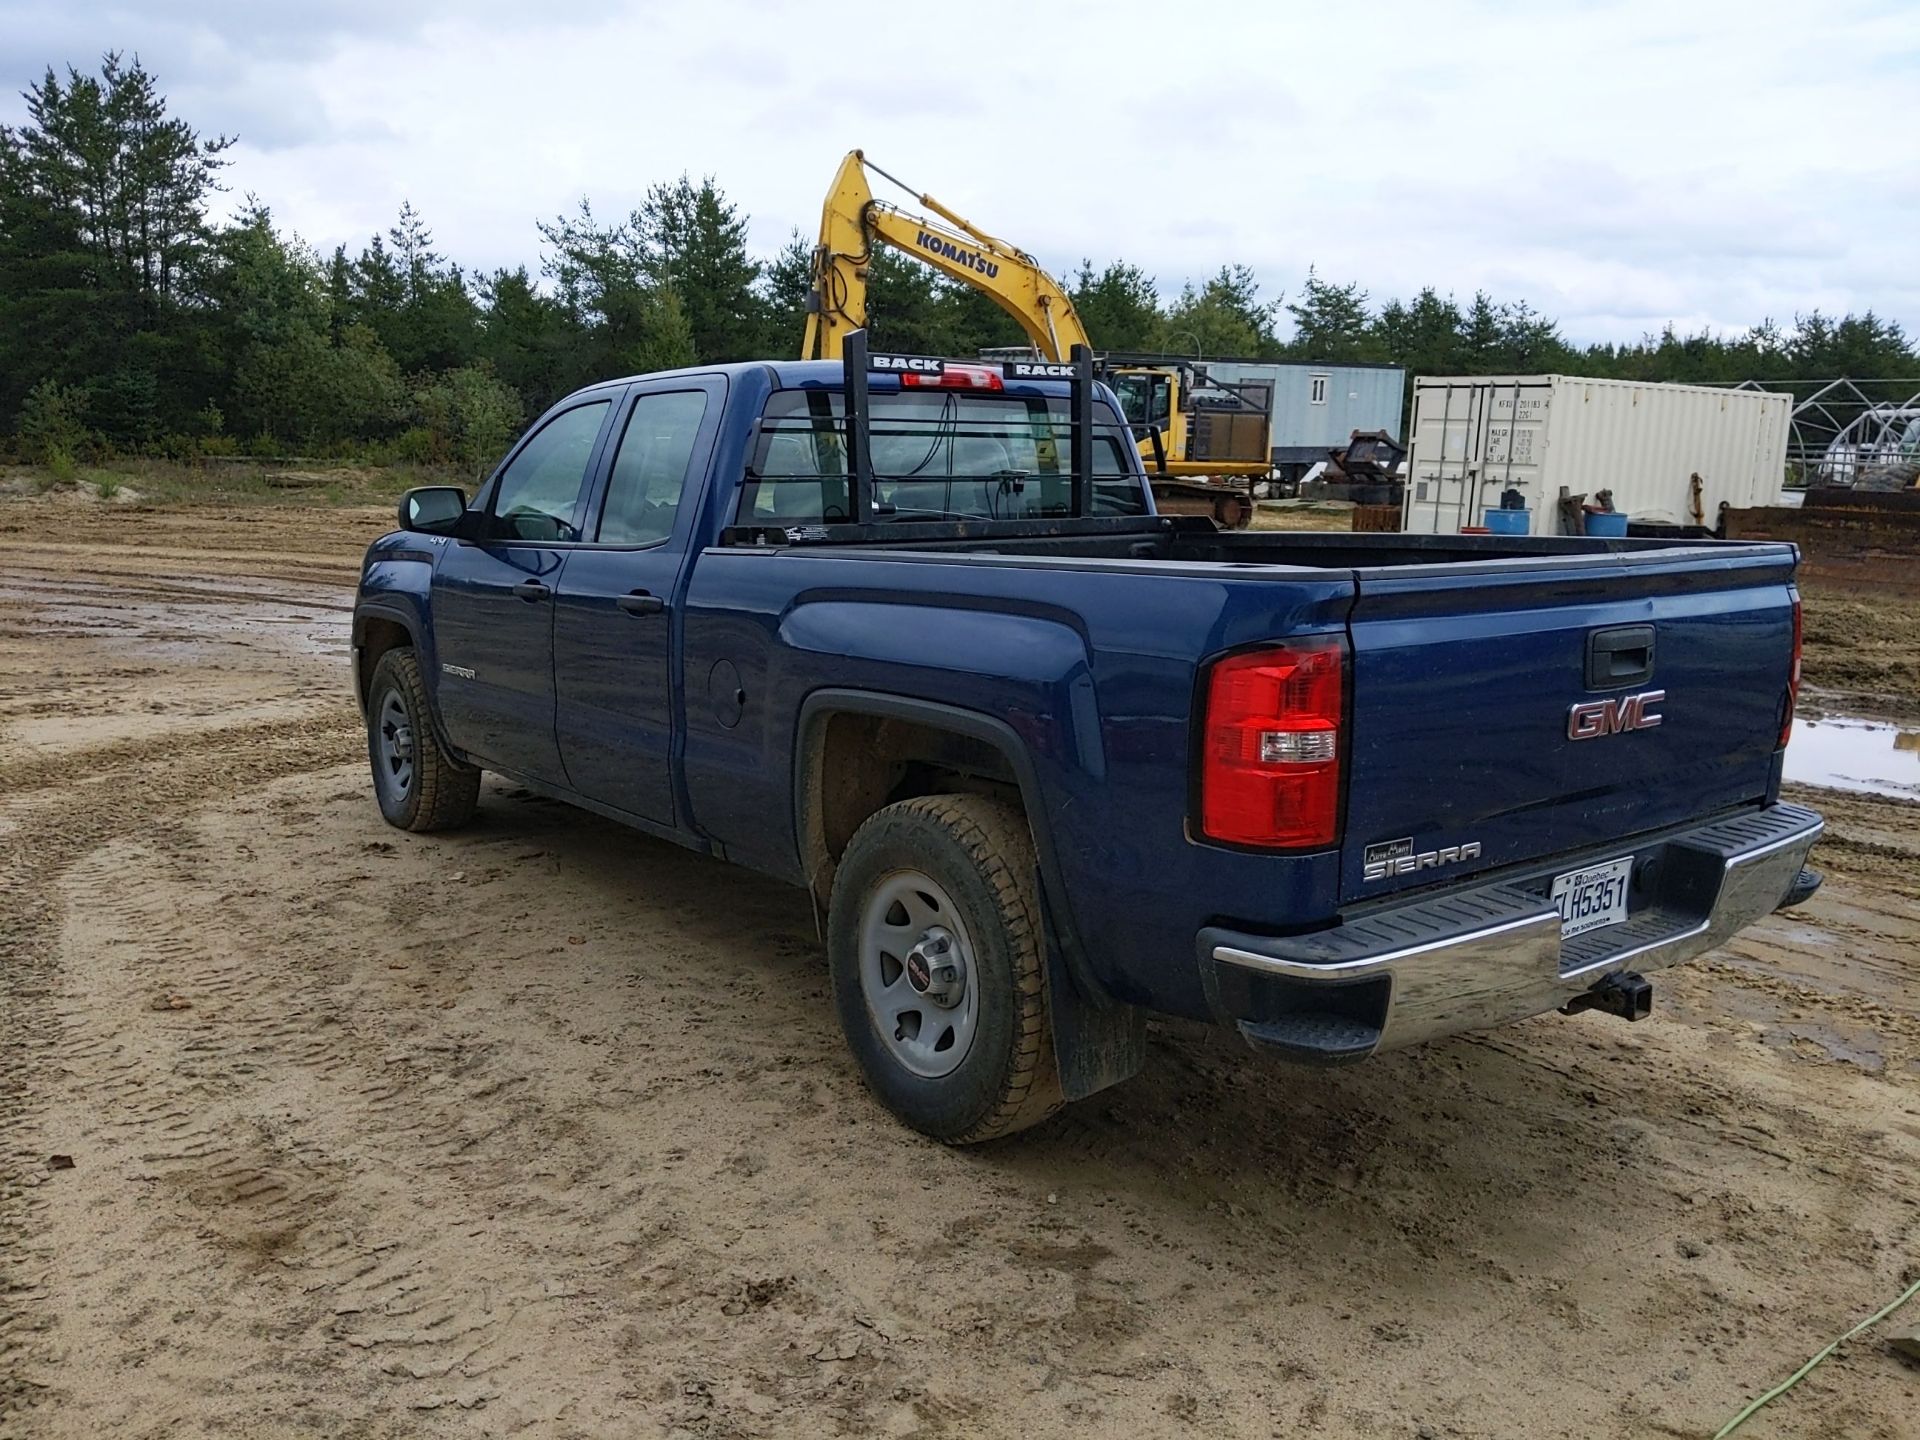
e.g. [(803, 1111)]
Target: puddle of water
[(1844, 752), (181, 618)]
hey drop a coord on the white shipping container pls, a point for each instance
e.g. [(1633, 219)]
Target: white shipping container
[(1471, 438)]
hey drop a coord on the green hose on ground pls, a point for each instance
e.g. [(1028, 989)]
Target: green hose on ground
[(1754, 1406)]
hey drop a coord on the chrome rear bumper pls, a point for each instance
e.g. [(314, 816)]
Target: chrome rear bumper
[(1474, 957)]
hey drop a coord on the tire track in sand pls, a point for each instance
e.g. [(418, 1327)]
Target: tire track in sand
[(115, 791)]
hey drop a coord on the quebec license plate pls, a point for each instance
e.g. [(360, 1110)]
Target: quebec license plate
[(1592, 898)]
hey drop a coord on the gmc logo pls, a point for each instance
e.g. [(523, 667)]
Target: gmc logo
[(1591, 719)]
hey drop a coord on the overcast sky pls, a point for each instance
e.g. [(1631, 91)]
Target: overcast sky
[(1618, 165)]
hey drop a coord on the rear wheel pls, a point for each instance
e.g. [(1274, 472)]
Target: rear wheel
[(419, 786), (939, 974)]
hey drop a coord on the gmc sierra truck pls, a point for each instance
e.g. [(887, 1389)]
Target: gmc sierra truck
[(907, 632)]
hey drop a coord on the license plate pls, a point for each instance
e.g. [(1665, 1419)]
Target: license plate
[(1591, 898)]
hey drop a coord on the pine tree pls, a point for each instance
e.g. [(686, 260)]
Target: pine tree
[(784, 283), (694, 240), (1223, 317), (1330, 322), (1119, 307), (104, 236), (627, 318), (529, 340)]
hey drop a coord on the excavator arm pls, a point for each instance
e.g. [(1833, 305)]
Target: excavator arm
[(852, 222)]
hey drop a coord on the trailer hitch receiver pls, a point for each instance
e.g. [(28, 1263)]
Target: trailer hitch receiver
[(1627, 994)]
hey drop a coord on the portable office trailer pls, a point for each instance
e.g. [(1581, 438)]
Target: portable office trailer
[(1316, 408), (1472, 438)]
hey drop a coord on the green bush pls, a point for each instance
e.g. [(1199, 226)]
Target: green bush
[(60, 467), (53, 421), (107, 486), (463, 417), (314, 395), (416, 445)]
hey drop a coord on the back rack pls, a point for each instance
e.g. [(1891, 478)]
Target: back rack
[(858, 363)]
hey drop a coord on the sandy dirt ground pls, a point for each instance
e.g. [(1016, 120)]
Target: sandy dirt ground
[(311, 1127)]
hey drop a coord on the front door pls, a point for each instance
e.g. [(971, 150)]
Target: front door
[(613, 618), (493, 599)]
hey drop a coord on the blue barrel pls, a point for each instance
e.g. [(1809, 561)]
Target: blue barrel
[(1607, 522), (1510, 522)]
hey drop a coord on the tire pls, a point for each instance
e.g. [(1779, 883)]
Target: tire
[(419, 786), (959, 867)]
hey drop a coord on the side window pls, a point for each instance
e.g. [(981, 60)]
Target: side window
[(539, 492), (1161, 389), (650, 468), (1317, 390)]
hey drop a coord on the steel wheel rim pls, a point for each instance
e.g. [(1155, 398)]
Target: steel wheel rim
[(393, 746), (927, 1022)]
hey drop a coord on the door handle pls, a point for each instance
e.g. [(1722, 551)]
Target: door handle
[(531, 590), (1619, 657), (639, 602)]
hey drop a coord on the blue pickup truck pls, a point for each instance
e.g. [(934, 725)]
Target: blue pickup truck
[(907, 633)]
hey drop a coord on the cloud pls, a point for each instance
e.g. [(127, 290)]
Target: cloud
[(1617, 164)]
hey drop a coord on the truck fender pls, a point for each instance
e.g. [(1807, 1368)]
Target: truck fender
[(1098, 1040), (409, 622)]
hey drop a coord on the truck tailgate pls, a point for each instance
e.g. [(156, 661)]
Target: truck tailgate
[(1465, 751)]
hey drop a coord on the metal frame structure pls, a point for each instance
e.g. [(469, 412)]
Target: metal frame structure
[(1842, 429), (857, 365)]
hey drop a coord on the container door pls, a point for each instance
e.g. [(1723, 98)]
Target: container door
[(1472, 441)]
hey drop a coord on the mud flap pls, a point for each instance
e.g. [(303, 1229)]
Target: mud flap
[(1097, 1042)]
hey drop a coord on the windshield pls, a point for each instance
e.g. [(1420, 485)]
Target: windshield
[(1143, 396), (937, 454)]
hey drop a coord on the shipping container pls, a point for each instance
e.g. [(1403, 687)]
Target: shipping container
[(1316, 408), (1552, 436)]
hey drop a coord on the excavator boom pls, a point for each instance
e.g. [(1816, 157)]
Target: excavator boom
[(852, 222)]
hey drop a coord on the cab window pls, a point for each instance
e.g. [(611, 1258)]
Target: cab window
[(650, 468), (936, 455), (538, 496)]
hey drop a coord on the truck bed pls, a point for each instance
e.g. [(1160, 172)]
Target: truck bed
[(1467, 655), (1192, 541)]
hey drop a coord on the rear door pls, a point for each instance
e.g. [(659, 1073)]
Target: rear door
[(613, 610), (493, 598), (1511, 711)]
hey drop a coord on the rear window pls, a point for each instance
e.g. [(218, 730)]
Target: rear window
[(937, 455)]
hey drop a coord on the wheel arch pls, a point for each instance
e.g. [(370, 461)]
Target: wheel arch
[(1098, 1041), (379, 629), (376, 630), (896, 733)]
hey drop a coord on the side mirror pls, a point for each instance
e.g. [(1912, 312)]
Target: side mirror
[(433, 509)]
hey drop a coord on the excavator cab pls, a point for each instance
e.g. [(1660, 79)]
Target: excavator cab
[(1146, 396)]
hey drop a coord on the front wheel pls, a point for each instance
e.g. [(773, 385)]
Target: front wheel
[(419, 786), (939, 971)]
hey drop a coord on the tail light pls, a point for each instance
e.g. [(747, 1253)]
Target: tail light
[(1271, 746), (1793, 680), (953, 376)]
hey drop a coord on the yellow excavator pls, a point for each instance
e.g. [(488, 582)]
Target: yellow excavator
[(1193, 433)]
